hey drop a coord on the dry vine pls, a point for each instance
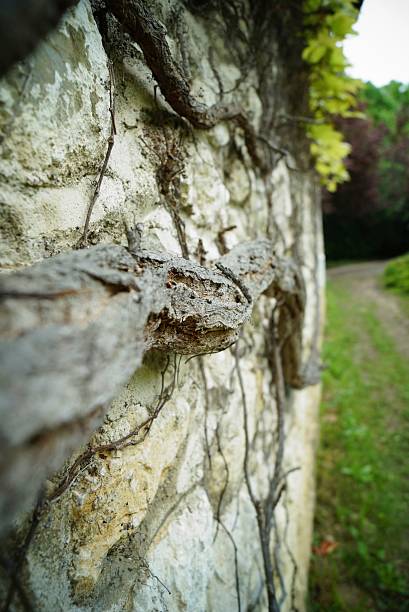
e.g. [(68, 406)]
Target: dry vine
[(110, 144), (150, 34), (264, 509), (217, 515), (169, 150)]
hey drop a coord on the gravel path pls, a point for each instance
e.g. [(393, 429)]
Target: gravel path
[(364, 280)]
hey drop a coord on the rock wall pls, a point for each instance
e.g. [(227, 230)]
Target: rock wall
[(168, 523)]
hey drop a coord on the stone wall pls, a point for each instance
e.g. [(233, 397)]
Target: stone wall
[(165, 524)]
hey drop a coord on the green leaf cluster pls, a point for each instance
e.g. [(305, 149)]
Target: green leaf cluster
[(331, 91)]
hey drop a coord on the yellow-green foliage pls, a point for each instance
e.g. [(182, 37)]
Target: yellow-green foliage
[(332, 92)]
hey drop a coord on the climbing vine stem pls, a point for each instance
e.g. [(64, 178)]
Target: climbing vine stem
[(264, 509)]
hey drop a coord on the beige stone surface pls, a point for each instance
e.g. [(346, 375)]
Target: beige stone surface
[(137, 530)]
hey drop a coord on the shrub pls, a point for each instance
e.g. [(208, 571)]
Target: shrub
[(396, 274)]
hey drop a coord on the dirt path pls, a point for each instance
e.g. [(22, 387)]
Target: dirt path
[(362, 484), (364, 280)]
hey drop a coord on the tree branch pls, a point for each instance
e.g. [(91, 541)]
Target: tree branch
[(150, 35)]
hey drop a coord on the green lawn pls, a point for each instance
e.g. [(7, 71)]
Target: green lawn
[(363, 474)]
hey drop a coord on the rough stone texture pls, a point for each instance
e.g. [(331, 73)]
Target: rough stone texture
[(137, 528), (63, 319)]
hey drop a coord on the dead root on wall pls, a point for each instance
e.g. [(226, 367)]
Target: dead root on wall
[(71, 320), (113, 305)]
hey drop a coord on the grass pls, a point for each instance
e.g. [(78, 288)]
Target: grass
[(363, 484)]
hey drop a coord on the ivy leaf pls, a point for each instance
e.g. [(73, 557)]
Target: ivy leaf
[(337, 59), (332, 92), (314, 53), (341, 24)]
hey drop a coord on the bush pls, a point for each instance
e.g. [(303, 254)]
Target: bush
[(396, 274)]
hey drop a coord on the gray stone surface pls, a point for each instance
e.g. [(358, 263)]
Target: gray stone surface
[(159, 524)]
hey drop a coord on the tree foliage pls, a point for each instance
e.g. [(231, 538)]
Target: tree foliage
[(389, 107), (369, 216), (359, 195)]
